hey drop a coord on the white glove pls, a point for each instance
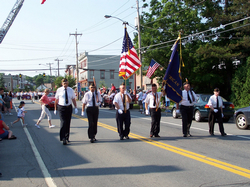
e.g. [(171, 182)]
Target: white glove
[(215, 110), (222, 115), (55, 112), (120, 111), (177, 111), (76, 110), (125, 92), (147, 112), (82, 113)]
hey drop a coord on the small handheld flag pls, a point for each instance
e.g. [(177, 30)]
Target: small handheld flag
[(129, 61), (152, 68), (42, 1)]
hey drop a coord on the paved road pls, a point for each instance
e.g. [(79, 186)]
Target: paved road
[(38, 158)]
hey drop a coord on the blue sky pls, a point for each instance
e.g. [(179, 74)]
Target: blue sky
[(40, 33)]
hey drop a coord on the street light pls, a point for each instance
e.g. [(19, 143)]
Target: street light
[(126, 23)]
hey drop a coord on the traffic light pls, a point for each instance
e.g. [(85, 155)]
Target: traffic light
[(43, 74), (20, 75)]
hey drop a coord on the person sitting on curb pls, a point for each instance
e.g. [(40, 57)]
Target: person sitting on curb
[(7, 133)]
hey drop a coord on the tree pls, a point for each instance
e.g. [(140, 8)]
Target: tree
[(2, 80), (102, 84), (71, 80), (163, 24), (225, 44), (39, 80), (208, 57), (241, 85)]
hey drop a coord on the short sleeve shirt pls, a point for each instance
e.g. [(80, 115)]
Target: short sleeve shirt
[(60, 95), (119, 100), (150, 99)]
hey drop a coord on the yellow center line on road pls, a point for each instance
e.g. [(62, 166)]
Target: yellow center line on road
[(204, 159)]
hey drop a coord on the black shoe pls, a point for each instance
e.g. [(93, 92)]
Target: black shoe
[(92, 140), (190, 135), (121, 138), (126, 137), (64, 141), (184, 135), (68, 141), (212, 134), (95, 139), (224, 134), (157, 136)]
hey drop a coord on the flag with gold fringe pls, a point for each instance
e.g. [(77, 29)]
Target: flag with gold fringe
[(172, 78), (129, 61)]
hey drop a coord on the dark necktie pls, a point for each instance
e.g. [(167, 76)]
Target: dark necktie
[(189, 97), (154, 100), (124, 101), (93, 99), (217, 103), (66, 97)]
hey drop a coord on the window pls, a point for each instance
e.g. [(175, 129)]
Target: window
[(91, 74), (131, 77), (102, 74), (9, 84), (112, 74)]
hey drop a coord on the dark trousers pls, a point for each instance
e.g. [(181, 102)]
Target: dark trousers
[(155, 121), (92, 113), (65, 113), (123, 118), (211, 121), (187, 117)]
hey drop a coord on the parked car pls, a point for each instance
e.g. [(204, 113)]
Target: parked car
[(242, 118), (201, 109), (52, 99)]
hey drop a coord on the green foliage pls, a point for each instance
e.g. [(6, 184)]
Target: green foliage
[(71, 80), (39, 80), (102, 84), (1, 80), (208, 58), (241, 85)]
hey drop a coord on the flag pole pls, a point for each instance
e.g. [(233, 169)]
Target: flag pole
[(125, 109)]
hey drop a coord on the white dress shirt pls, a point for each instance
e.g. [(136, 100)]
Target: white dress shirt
[(213, 101), (87, 99), (60, 95), (119, 100), (185, 101), (150, 99)]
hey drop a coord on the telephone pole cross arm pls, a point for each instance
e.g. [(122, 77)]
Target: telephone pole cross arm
[(58, 66)]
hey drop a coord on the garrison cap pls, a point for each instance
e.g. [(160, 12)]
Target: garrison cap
[(216, 90)]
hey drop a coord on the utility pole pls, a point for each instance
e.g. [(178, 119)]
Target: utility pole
[(139, 39), (50, 73), (77, 74), (50, 68), (58, 66)]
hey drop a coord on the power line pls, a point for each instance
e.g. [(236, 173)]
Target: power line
[(196, 34)]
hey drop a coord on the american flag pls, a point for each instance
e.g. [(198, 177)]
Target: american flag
[(152, 67), (129, 61)]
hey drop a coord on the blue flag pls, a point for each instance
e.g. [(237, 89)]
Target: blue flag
[(172, 78)]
